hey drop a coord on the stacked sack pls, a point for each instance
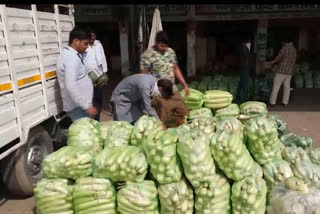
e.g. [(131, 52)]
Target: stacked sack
[(263, 141), (53, 196), (216, 99), (121, 163), (143, 128), (193, 100), (230, 152), (160, 149), (176, 198), (199, 113), (131, 174), (137, 198), (249, 196), (85, 132), (94, 195), (121, 137), (228, 112)]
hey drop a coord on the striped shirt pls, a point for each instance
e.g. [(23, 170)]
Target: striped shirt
[(288, 55)]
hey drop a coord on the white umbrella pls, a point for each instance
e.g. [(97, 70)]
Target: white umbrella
[(156, 27)]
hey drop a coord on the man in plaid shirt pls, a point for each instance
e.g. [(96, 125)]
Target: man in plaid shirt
[(286, 59)]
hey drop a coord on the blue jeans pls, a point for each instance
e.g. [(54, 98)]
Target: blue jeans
[(78, 113)]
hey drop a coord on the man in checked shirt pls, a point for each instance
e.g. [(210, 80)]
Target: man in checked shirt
[(286, 59)]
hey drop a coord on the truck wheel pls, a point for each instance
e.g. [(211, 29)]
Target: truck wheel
[(23, 168)]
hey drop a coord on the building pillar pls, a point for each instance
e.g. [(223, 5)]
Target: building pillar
[(303, 39), (124, 47), (191, 49), (261, 45)]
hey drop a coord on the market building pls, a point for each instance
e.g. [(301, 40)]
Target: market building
[(205, 35)]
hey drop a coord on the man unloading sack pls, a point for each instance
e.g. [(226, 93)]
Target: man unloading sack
[(133, 97)]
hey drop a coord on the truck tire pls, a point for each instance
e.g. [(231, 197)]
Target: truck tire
[(23, 168)]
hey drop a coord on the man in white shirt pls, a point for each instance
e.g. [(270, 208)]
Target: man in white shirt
[(96, 65), (76, 87)]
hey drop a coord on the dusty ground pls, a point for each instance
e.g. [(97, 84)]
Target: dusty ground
[(302, 116)]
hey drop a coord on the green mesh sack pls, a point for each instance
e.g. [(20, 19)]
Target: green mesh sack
[(230, 153), (215, 198), (53, 196), (293, 154), (121, 163), (294, 197), (193, 100), (263, 141), (85, 132), (138, 198), (298, 79), (307, 171), (116, 133), (308, 79), (290, 138), (314, 154), (176, 198), (94, 195), (276, 172), (281, 125), (194, 151), (252, 109), (316, 79), (205, 124), (230, 111), (201, 112), (69, 162), (143, 127), (249, 196), (160, 149)]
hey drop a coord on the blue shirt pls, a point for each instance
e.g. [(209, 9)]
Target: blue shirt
[(75, 85)]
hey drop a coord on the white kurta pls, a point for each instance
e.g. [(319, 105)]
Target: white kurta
[(96, 59)]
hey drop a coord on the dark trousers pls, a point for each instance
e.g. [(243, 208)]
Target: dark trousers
[(98, 100), (243, 86)]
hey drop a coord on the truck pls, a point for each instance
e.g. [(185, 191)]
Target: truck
[(31, 116)]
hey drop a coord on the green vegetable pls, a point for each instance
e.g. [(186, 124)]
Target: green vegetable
[(116, 133), (176, 198), (53, 196), (205, 124), (121, 163), (289, 138), (85, 132), (314, 155), (276, 172), (94, 195), (295, 197), (160, 149), (201, 112), (230, 111), (281, 125), (293, 154), (230, 153), (193, 100), (137, 198), (216, 99), (252, 109), (307, 171), (69, 162), (215, 198), (194, 152), (249, 196), (263, 141), (143, 128)]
